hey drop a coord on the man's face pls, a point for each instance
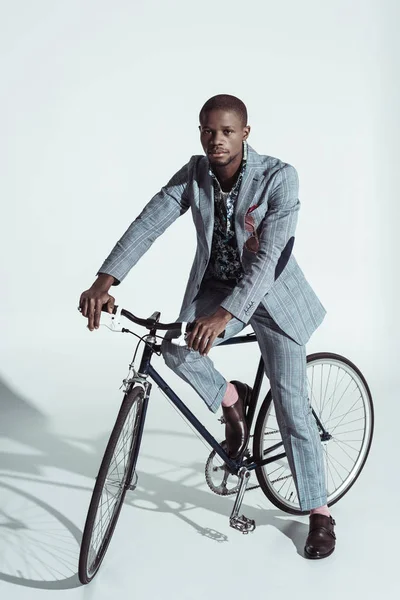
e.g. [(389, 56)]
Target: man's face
[(222, 134)]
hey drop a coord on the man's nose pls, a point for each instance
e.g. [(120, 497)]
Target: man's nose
[(217, 138)]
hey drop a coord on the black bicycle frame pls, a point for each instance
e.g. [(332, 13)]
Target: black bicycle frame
[(147, 369)]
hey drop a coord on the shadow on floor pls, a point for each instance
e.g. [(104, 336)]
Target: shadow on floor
[(48, 541)]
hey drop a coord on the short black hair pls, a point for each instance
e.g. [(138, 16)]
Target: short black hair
[(225, 102)]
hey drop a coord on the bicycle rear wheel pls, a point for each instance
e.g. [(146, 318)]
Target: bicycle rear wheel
[(342, 403), (113, 480)]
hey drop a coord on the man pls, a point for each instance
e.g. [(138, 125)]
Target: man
[(244, 206)]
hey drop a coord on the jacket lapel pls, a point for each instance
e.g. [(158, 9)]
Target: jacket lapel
[(206, 202), (248, 188), (252, 178)]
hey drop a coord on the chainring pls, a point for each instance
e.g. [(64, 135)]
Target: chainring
[(218, 477)]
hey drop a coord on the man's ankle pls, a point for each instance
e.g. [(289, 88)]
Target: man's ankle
[(231, 395), (321, 510)]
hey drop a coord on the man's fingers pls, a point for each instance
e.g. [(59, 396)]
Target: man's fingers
[(199, 338), (90, 315), (209, 344), (192, 341), (203, 341), (97, 313), (192, 336), (83, 305), (196, 337)]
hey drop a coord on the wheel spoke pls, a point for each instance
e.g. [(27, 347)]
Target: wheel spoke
[(340, 399), (331, 459), (277, 469), (343, 450), (347, 413), (326, 389), (337, 424), (329, 464), (350, 431), (347, 444)]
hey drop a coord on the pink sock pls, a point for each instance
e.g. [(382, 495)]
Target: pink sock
[(230, 395), (321, 510)]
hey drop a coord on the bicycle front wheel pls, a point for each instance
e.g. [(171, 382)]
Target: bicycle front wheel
[(113, 480), (344, 414)]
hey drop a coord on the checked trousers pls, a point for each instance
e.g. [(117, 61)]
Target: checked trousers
[(285, 367)]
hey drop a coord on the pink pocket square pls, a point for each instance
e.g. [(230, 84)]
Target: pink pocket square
[(252, 243), (249, 223)]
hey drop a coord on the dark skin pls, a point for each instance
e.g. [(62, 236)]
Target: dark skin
[(221, 134), (92, 301)]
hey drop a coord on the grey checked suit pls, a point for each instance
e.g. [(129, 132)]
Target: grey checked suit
[(273, 296)]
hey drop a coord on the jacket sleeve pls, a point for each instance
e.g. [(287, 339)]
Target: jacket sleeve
[(162, 210), (276, 236)]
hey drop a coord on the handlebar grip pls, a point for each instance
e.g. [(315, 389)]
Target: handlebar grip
[(104, 309), (191, 325)]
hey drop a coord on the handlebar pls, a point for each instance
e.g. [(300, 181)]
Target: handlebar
[(152, 323)]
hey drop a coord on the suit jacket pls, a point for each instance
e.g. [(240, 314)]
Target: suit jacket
[(269, 195)]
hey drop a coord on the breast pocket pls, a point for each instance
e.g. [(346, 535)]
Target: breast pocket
[(252, 223), (257, 214)]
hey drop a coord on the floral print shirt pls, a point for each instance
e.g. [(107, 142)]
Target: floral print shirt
[(225, 262)]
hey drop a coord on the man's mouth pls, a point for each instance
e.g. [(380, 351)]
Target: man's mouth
[(216, 152)]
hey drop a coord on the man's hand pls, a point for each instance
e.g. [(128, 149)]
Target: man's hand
[(207, 329), (92, 301)]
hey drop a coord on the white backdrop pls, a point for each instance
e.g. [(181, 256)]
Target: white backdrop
[(99, 107)]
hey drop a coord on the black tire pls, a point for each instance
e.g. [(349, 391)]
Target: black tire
[(133, 400), (266, 483)]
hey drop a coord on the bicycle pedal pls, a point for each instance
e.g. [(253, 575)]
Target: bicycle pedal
[(242, 524)]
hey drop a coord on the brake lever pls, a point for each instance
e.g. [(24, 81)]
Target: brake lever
[(115, 319), (181, 339)]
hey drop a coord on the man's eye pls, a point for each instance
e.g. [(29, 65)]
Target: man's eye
[(228, 131)]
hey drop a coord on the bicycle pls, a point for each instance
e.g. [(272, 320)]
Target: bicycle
[(335, 385)]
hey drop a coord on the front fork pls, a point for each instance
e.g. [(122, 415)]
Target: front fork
[(131, 479)]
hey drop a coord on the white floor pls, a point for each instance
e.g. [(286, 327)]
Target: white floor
[(173, 538)]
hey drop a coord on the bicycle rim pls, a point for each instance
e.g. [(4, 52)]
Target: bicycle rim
[(112, 482), (342, 401)]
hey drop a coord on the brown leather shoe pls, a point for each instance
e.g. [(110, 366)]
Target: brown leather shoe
[(321, 538), (236, 431)]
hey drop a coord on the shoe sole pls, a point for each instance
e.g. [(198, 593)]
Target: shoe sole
[(311, 557)]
